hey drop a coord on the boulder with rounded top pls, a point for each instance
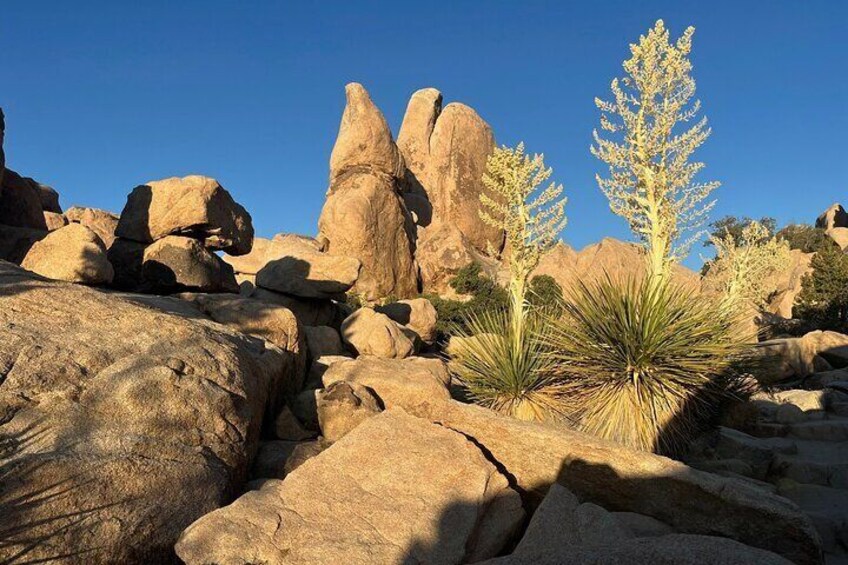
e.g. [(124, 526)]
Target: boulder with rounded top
[(194, 206)]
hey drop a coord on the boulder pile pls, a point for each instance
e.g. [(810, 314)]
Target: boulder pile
[(259, 414), (293, 271), (168, 233), (792, 439)]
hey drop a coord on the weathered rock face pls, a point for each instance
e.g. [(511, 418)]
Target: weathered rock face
[(437, 500), (367, 332), (564, 531), (54, 221), (609, 256), (459, 147), (443, 252), (417, 314), (815, 352), (833, 217), (342, 406), (446, 152), (194, 206), (127, 258), (365, 140), (48, 197), (364, 216), (295, 266), (16, 242), (309, 312), (412, 384), (20, 202), (621, 479), (840, 236), (423, 110), (101, 222), (323, 340), (176, 263), (272, 322), (787, 283), (126, 423), (72, 253)]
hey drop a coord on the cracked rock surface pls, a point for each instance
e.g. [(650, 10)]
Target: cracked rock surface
[(397, 489)]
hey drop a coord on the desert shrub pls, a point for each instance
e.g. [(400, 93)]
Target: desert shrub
[(643, 363), (485, 296), (733, 227), (823, 300), (745, 264), (545, 293), (805, 237), (507, 368), (648, 136), (499, 354)]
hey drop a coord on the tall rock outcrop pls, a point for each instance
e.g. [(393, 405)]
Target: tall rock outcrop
[(364, 216), (446, 151)]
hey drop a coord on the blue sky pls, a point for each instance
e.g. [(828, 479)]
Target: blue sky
[(107, 95)]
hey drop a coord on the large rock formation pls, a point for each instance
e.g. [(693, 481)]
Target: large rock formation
[(446, 152), (396, 489), (120, 424), (20, 202), (787, 283), (194, 206), (367, 332), (564, 531), (364, 216), (72, 253)]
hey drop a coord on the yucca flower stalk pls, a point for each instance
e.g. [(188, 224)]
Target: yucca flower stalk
[(651, 175), (742, 270), (501, 358)]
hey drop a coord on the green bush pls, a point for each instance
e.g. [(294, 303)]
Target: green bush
[(643, 363), (486, 296), (823, 300), (545, 293), (805, 237), (736, 226)]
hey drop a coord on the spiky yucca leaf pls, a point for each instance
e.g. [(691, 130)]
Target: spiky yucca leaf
[(507, 366), (644, 362)]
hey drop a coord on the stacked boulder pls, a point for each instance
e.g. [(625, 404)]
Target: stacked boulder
[(364, 215), (409, 211), (101, 222), (35, 234), (168, 233), (291, 270)]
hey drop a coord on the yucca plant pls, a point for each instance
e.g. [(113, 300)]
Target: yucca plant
[(500, 356), (507, 367), (644, 363)]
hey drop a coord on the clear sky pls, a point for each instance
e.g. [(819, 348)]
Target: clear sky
[(102, 96)]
